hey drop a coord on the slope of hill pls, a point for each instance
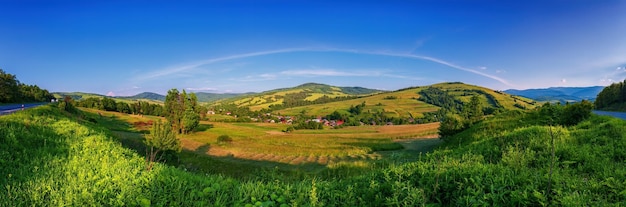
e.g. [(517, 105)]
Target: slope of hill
[(405, 103), (75, 95), (213, 97), (304, 94), (144, 95), (561, 94)]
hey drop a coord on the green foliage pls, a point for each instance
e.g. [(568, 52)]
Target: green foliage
[(162, 139), (612, 97), (50, 158), (569, 115), (191, 120), (67, 104), (450, 125), (577, 112), (12, 91), (299, 99), (441, 98), (181, 111), (139, 107), (224, 139)]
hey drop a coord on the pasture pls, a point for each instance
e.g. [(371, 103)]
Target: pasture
[(265, 145)]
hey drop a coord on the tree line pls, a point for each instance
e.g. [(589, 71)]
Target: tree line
[(13, 91), (108, 104), (612, 97)]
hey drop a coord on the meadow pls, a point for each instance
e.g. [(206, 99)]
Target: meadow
[(265, 145), (53, 158)]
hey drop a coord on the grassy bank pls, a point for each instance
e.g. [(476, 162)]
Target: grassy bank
[(50, 158)]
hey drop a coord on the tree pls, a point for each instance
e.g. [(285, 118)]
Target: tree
[(577, 112), (473, 111), (181, 111), (173, 108), (160, 140), (108, 104), (450, 125), (191, 119), (9, 88), (123, 107)]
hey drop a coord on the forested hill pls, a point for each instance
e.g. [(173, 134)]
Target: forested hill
[(145, 95), (305, 94), (612, 97), (417, 101)]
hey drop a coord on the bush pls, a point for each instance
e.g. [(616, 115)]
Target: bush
[(289, 129), (450, 125), (575, 113), (224, 138)]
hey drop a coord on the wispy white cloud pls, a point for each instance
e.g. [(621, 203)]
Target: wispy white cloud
[(173, 70), (254, 78), (326, 72), (202, 89), (177, 69)]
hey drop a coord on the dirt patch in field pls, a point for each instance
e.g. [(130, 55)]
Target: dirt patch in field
[(143, 125)]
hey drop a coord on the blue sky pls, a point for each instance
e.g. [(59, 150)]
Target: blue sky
[(127, 47)]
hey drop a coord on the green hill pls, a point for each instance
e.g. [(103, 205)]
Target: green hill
[(75, 95), (403, 102), (144, 96), (213, 97), (304, 94)]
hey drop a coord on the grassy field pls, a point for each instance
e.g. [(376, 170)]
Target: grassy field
[(265, 145), (52, 158), (405, 102)]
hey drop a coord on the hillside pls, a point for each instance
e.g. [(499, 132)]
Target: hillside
[(403, 102), (212, 97), (304, 94), (53, 158), (559, 94), (75, 95), (144, 95)]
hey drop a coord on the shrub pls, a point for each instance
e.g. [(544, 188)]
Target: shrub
[(224, 138), (575, 113)]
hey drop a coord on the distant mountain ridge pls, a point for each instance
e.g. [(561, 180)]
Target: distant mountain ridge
[(144, 95), (312, 88), (561, 94)]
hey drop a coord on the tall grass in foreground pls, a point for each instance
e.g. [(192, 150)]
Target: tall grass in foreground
[(50, 158)]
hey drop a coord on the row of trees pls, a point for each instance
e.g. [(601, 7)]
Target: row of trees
[(12, 91), (108, 104), (612, 97)]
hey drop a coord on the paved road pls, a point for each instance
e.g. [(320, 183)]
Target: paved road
[(621, 115), (7, 109)]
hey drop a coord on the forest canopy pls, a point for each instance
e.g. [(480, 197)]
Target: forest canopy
[(612, 97), (13, 91)]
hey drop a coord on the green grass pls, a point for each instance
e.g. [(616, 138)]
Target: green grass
[(51, 158)]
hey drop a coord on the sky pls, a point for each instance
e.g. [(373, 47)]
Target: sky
[(126, 47)]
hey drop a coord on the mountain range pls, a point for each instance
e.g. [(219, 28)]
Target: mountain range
[(315, 90), (559, 94)]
